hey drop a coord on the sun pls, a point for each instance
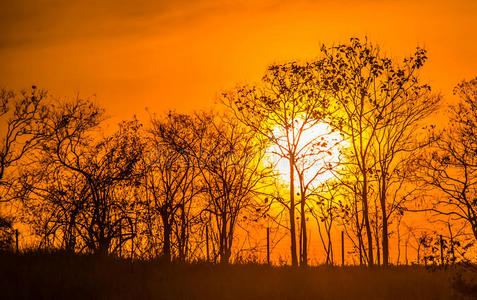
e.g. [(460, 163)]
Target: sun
[(318, 153)]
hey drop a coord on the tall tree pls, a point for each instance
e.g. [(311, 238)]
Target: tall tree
[(285, 108), (381, 103)]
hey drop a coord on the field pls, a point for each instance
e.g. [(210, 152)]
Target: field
[(63, 276)]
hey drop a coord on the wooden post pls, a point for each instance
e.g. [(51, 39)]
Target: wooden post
[(406, 252), (132, 250), (120, 242), (442, 253), (451, 243), (342, 248), (268, 245), (452, 251), (207, 241), (16, 240)]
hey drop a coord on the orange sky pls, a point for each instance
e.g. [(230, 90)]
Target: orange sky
[(179, 54)]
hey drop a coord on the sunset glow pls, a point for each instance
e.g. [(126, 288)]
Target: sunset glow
[(185, 147), (319, 152)]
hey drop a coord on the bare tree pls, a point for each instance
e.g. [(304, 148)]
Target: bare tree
[(233, 174), (283, 110), (19, 116), (54, 202), (325, 211), (380, 104), (47, 183), (170, 180), (451, 166), (94, 171)]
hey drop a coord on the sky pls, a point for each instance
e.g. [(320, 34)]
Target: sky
[(163, 55)]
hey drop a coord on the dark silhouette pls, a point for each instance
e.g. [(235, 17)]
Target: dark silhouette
[(288, 106), (20, 114), (355, 128), (450, 165), (380, 106)]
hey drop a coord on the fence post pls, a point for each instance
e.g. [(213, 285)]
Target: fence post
[(442, 253), (451, 243), (342, 248), (268, 245), (16, 240), (207, 241), (120, 242), (132, 250), (452, 250)]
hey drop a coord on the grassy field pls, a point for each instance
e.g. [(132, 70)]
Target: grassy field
[(61, 276)]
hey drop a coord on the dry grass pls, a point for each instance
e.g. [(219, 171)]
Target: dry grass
[(62, 276)]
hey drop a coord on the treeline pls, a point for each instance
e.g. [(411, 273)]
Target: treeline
[(357, 128)]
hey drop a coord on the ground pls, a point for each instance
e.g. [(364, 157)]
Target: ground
[(64, 276)]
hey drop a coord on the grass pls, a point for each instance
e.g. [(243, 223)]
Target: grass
[(63, 276)]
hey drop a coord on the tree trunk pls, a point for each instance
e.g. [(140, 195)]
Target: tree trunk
[(369, 234), (166, 246), (385, 240), (224, 253), (71, 236), (358, 230), (103, 247), (292, 212), (378, 251), (304, 239), (385, 243), (183, 239)]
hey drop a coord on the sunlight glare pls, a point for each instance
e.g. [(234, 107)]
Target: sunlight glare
[(319, 151)]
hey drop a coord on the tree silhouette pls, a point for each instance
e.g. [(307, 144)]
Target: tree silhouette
[(200, 185), (170, 179), (233, 175), (82, 180), (325, 211), (285, 108), (380, 104), (451, 165), (19, 117)]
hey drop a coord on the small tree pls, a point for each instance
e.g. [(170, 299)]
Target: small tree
[(19, 117), (170, 180), (325, 210), (451, 166), (231, 164), (84, 179)]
